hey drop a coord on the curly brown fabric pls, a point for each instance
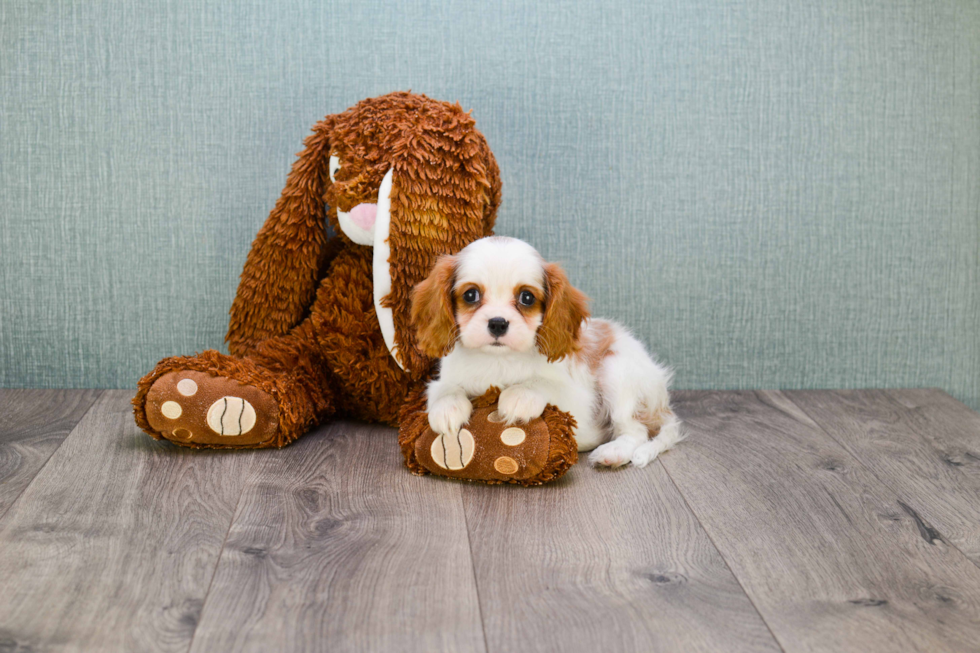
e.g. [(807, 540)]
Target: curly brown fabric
[(413, 423)]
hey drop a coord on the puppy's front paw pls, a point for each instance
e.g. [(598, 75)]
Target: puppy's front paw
[(613, 454), (518, 404), (447, 415)]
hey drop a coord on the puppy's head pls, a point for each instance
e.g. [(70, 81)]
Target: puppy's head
[(497, 296)]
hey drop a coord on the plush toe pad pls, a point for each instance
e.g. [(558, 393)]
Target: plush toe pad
[(453, 453), (196, 408), (231, 416)]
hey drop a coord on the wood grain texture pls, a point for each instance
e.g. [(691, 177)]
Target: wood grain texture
[(923, 444), (33, 424), (113, 545), (813, 521), (603, 561), (337, 547), (825, 551)]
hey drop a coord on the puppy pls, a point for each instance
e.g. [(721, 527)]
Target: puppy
[(498, 315)]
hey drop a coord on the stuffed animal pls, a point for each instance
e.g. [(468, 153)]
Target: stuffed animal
[(321, 326)]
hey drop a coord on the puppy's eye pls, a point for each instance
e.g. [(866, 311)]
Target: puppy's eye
[(471, 296), (333, 168), (526, 298)]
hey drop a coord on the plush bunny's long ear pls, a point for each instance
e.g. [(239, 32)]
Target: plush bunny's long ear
[(289, 253), (445, 190)]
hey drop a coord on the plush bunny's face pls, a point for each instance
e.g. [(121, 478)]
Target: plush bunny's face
[(357, 193)]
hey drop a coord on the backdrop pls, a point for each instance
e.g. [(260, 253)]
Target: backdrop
[(771, 194)]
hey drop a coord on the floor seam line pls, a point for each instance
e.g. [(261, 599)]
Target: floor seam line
[(221, 553), (723, 558), (476, 582)]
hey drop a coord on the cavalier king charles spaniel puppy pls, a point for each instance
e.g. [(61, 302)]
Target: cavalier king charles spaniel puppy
[(497, 314)]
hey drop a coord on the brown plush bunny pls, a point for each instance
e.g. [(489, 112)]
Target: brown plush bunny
[(320, 325)]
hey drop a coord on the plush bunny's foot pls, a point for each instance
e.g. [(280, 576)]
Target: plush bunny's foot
[(224, 402), (195, 408), (486, 448)]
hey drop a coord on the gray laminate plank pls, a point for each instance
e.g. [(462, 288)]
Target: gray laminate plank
[(604, 561), (33, 424), (947, 424), (113, 545), (921, 443), (823, 548), (336, 546)]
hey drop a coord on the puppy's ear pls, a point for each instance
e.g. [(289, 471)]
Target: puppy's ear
[(432, 309), (564, 311)]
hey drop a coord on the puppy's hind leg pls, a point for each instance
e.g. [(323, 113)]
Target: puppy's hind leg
[(635, 392), (629, 435), (656, 415), (669, 435), (621, 397)]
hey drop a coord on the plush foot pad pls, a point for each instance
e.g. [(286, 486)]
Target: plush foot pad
[(486, 449), (194, 408)]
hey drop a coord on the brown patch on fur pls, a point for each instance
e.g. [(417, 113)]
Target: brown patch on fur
[(535, 309), (464, 310), (433, 314), (596, 344), (566, 307), (463, 306), (654, 419)]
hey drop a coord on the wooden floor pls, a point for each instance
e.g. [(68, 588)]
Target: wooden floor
[(794, 521)]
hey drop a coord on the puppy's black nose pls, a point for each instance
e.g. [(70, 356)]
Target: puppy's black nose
[(497, 326)]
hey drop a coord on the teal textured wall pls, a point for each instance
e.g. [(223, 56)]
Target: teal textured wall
[(771, 194)]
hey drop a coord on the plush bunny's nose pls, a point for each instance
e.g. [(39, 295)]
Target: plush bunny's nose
[(364, 215)]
